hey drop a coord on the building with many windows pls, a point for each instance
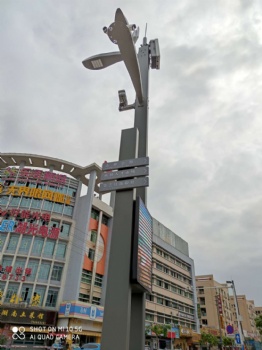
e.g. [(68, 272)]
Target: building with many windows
[(53, 243), (173, 297)]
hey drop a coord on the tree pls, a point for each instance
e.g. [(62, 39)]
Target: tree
[(228, 341), (160, 330), (258, 321), (3, 339), (208, 340)]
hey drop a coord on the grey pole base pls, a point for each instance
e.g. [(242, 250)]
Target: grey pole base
[(116, 322)]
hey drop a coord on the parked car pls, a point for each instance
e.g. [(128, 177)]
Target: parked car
[(93, 346)]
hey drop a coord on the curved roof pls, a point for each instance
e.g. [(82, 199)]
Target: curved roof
[(34, 160)]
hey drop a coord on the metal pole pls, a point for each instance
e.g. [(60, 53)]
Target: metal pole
[(137, 329), (116, 322)]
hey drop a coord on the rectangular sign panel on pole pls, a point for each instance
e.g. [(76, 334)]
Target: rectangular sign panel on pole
[(109, 186), (122, 174), (127, 163)]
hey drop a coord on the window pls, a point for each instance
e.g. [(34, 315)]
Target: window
[(86, 276), (93, 236), (44, 271), (40, 291), (159, 301), (91, 254), (61, 250), (33, 265), (159, 283), (25, 244), (36, 203), (65, 229), (159, 266), (49, 248), (149, 297), (11, 291), (26, 292), (14, 201), (20, 262), (58, 208), (7, 261), (48, 205), (51, 297), (96, 301), (149, 317), (83, 297), (95, 214), (25, 202), (12, 244), (68, 210), (2, 240), (160, 319), (37, 246), (57, 273), (98, 280), (105, 220)]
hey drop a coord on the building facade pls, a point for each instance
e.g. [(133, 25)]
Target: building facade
[(173, 297), (53, 243)]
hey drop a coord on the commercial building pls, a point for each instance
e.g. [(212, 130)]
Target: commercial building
[(214, 305), (173, 297), (53, 243)]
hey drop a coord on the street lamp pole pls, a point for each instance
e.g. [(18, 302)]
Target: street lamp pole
[(124, 317), (239, 325)]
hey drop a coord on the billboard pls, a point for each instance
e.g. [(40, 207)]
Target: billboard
[(141, 266)]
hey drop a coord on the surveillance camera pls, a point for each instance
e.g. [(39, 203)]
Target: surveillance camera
[(105, 30), (122, 98)]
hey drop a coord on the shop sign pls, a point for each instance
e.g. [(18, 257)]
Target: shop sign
[(212, 331), (17, 275), (27, 316), (181, 314), (25, 214), (34, 176), (89, 311), (37, 193), (219, 304), (30, 229), (186, 332)]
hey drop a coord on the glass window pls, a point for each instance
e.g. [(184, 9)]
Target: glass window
[(4, 200), (96, 301), (86, 276), (149, 317), (98, 280), (14, 201), (36, 203), (83, 297), (68, 210), (49, 248), (91, 254), (33, 265), (25, 202), (40, 291), (12, 244), (51, 297), (58, 208), (20, 262), (2, 240), (11, 293), (7, 261), (37, 246), (57, 273), (93, 236), (26, 292), (48, 205), (25, 244), (65, 229), (61, 250), (94, 214), (71, 192), (105, 220), (44, 271)]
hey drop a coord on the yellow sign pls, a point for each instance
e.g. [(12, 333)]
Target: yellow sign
[(38, 193)]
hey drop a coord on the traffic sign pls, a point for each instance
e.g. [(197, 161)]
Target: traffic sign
[(109, 186), (230, 329), (122, 174), (237, 338), (127, 163)]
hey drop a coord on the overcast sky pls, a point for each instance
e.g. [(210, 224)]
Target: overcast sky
[(205, 124)]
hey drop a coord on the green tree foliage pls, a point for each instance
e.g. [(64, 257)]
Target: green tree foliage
[(258, 321), (228, 341), (160, 330), (208, 340)]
